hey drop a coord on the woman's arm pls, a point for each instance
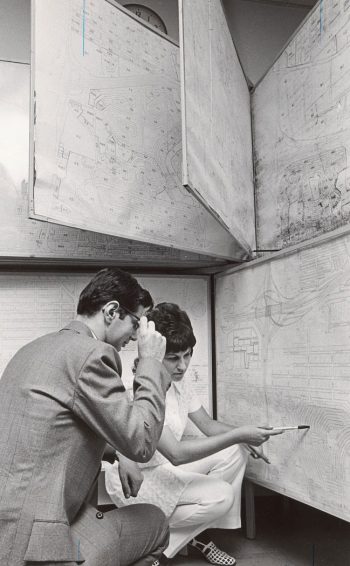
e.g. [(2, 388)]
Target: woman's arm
[(211, 427), (184, 451), (207, 425)]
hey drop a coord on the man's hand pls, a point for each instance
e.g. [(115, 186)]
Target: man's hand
[(151, 344), (256, 435), (130, 476)]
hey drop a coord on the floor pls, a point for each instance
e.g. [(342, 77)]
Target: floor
[(288, 534)]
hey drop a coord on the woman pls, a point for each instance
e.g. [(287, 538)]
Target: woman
[(197, 481)]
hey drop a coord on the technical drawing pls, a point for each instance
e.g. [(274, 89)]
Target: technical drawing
[(216, 119), (302, 132), (312, 197), (24, 237), (283, 351), (37, 304), (108, 130)]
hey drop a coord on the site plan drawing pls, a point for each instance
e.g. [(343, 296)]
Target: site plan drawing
[(218, 160), (301, 117), (27, 238), (35, 304), (107, 131), (283, 356)]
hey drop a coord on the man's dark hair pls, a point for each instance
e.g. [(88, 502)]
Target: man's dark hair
[(112, 284), (175, 325)]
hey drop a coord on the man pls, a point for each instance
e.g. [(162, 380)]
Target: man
[(61, 401)]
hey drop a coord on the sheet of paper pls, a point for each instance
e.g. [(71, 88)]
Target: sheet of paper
[(108, 130), (24, 237), (218, 161), (35, 304), (283, 358), (301, 118)]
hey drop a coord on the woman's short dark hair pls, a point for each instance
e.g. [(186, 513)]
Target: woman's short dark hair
[(175, 325), (145, 299), (112, 284)]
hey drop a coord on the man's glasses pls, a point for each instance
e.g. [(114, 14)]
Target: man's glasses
[(135, 319)]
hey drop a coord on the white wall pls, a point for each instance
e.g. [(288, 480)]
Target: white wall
[(15, 30), (260, 30)]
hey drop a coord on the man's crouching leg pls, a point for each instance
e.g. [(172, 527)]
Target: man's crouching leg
[(144, 535), (133, 535)]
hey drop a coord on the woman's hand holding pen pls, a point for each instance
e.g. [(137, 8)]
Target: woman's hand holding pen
[(257, 453), (256, 435)]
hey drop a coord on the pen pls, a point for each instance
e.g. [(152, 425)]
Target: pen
[(256, 455), (291, 427)]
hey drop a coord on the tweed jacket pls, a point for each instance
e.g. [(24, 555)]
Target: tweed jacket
[(61, 400)]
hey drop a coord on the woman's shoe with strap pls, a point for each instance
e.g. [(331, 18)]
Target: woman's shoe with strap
[(212, 553)]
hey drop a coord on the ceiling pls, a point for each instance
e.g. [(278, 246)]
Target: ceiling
[(301, 3)]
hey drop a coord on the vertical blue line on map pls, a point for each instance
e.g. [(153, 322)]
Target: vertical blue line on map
[(83, 27), (321, 16)]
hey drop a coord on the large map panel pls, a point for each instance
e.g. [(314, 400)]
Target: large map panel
[(23, 237), (34, 304), (108, 130), (218, 162), (283, 353), (301, 117)]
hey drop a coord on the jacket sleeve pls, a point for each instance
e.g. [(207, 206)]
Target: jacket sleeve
[(100, 400)]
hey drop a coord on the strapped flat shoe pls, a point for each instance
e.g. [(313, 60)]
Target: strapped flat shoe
[(212, 553)]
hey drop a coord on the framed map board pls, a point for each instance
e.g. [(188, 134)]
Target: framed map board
[(283, 358), (37, 303), (21, 237), (301, 119), (217, 148), (107, 129)]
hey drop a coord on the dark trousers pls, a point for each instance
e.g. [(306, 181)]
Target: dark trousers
[(135, 535)]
